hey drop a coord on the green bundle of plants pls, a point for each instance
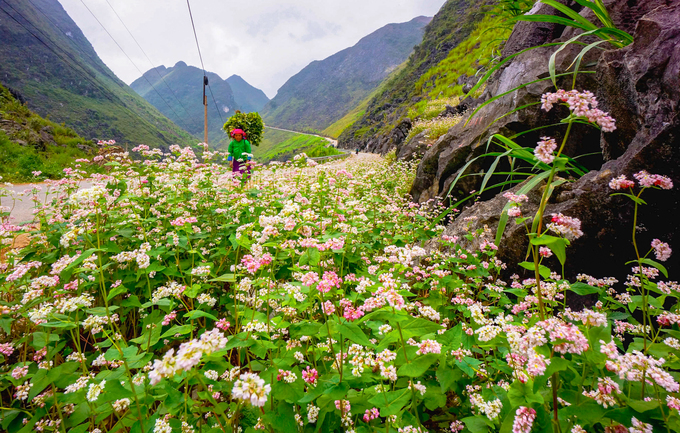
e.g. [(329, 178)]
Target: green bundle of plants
[(250, 123)]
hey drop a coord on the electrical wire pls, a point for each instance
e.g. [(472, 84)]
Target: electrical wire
[(133, 63), (201, 58), (147, 57)]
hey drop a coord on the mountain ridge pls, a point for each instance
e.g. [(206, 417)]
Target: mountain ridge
[(326, 90), (249, 97), (48, 59), (184, 93)]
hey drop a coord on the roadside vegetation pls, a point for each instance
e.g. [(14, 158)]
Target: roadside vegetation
[(30, 144)]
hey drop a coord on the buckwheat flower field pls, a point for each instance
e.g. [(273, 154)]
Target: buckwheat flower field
[(173, 297)]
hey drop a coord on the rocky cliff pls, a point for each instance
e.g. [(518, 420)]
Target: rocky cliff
[(638, 84)]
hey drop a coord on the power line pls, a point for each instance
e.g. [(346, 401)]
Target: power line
[(115, 79), (201, 58), (133, 63), (196, 37), (81, 71), (147, 57)]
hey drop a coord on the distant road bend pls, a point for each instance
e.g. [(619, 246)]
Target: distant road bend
[(330, 140)]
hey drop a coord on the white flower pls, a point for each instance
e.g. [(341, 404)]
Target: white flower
[(94, 390), (250, 387)]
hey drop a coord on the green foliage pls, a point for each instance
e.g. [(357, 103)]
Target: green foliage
[(434, 68), (284, 145), (608, 31), (250, 123), (282, 303), (18, 162), (475, 52)]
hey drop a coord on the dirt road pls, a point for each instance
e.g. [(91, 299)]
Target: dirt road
[(19, 199)]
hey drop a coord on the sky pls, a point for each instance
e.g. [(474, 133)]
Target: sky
[(264, 41)]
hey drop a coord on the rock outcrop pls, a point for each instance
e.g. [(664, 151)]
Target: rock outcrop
[(639, 85)]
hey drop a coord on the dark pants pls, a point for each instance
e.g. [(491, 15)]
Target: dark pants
[(242, 168)]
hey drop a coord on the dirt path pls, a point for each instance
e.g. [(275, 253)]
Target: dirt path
[(20, 199)]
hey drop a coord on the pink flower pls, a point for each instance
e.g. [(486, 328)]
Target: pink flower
[(429, 346), (524, 420), (352, 314), (649, 180), (544, 150), (371, 414), (621, 182), (567, 226), (330, 279), (328, 308), (6, 349), (223, 324), (310, 375), (581, 104), (515, 211), (662, 250), (20, 372), (545, 252), (169, 318), (343, 406), (309, 278)]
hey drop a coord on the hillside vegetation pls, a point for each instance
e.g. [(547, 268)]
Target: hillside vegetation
[(46, 57), (458, 41), (327, 90), (29, 143), (280, 145)]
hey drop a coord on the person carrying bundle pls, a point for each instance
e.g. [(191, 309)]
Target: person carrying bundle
[(240, 153)]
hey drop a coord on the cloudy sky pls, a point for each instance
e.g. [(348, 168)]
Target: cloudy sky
[(264, 41)]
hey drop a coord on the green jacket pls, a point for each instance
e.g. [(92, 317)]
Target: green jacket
[(238, 148)]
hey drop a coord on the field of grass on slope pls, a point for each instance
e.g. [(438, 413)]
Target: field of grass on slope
[(280, 145)]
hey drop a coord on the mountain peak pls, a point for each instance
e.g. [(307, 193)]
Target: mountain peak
[(180, 64)]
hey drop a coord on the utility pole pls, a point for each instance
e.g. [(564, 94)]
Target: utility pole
[(205, 111)]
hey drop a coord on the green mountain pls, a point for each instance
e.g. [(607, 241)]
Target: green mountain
[(453, 48), (47, 59), (327, 90), (181, 87), (249, 98)]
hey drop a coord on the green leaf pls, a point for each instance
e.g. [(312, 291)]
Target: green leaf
[(476, 424), (226, 278), (636, 199), (584, 289), (184, 329), (391, 402), (352, 332), (544, 271), (193, 315), (116, 291), (418, 366), (656, 265), (522, 394), (314, 256), (557, 245)]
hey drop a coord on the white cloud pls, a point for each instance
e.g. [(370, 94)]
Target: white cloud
[(264, 41)]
